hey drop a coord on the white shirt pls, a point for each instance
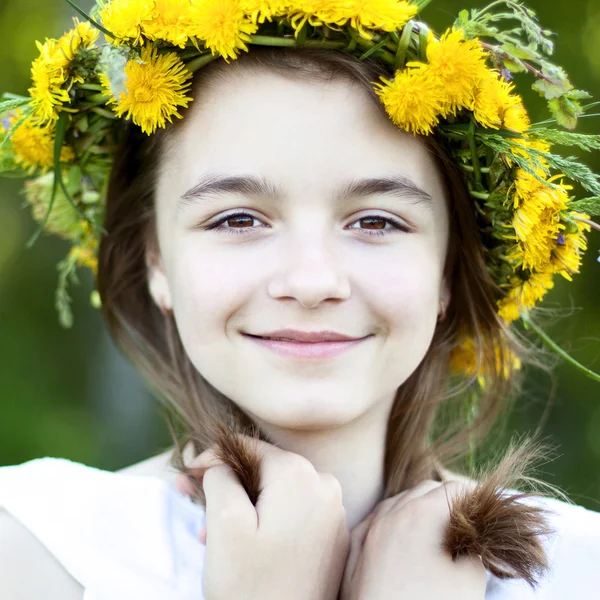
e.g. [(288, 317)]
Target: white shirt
[(130, 536)]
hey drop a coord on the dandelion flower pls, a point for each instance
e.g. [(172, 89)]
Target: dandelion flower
[(413, 100), (362, 15), (524, 294), (222, 25), (514, 114), (490, 97), (459, 66), (537, 224), (156, 85), (83, 35), (49, 76), (170, 22), (463, 361), (50, 70), (495, 106), (34, 146), (261, 10), (85, 254), (125, 18), (569, 249)]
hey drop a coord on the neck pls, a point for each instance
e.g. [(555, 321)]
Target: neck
[(353, 453)]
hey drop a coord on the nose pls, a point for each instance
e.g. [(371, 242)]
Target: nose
[(311, 270)]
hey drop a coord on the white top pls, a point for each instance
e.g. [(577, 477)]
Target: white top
[(132, 536)]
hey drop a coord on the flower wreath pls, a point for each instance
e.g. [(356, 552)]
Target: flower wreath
[(64, 134)]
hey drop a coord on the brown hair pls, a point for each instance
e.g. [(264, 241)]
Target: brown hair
[(417, 435)]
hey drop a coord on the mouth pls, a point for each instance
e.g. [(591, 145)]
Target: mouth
[(306, 350)]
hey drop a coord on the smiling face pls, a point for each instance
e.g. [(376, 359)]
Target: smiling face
[(293, 204)]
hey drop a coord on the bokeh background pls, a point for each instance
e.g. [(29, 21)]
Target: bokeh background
[(69, 393)]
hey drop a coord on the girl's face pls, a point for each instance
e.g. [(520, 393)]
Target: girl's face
[(343, 227)]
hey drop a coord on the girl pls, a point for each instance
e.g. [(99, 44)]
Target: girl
[(294, 274)]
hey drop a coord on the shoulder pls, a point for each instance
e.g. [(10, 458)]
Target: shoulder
[(21, 555), (573, 552)]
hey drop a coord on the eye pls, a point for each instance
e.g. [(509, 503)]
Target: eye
[(378, 230), (378, 222)]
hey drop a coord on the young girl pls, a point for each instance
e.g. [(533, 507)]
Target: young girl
[(296, 275)]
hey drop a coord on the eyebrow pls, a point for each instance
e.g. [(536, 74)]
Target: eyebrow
[(213, 185)]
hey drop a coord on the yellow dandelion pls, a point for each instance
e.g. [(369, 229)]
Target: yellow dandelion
[(222, 25), (50, 70), (514, 114), (362, 15), (490, 97), (34, 146), (413, 100), (463, 361), (125, 18), (49, 76), (156, 85), (83, 35), (170, 22), (459, 65), (537, 224), (568, 251), (264, 10), (85, 253), (524, 294)]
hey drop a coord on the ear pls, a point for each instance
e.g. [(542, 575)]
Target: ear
[(158, 286), (445, 294)]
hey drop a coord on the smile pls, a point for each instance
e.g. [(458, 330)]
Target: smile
[(296, 349)]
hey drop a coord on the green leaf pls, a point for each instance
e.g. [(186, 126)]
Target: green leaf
[(548, 89), (564, 117), (587, 142), (11, 104), (591, 206), (92, 22)]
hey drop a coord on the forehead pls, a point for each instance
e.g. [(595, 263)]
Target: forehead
[(301, 133)]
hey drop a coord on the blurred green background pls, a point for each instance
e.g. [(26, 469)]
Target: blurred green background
[(68, 393)]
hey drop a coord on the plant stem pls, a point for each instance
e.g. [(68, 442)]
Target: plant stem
[(201, 61), (592, 224), (554, 346), (267, 40)]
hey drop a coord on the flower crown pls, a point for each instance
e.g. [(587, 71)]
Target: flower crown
[(63, 136)]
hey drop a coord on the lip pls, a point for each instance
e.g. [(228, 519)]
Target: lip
[(297, 335), (308, 350)]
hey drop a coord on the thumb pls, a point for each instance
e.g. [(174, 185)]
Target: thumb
[(197, 467)]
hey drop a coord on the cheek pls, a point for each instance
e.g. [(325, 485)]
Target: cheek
[(404, 289), (208, 288)]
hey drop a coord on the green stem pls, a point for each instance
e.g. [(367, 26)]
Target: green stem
[(268, 40), (474, 156), (472, 169), (479, 195), (592, 224), (98, 98), (95, 87), (422, 4), (402, 50), (387, 57), (554, 346), (373, 49), (201, 61)]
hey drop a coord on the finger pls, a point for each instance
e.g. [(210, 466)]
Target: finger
[(202, 535), (357, 540), (226, 500), (399, 500)]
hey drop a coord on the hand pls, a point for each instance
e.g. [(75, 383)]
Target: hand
[(396, 551), (293, 544)]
